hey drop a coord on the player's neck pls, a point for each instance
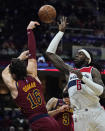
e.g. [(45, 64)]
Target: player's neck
[(81, 66)]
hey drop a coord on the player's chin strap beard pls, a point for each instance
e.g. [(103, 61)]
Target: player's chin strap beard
[(81, 64)]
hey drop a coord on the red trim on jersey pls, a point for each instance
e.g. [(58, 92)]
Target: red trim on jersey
[(85, 69)]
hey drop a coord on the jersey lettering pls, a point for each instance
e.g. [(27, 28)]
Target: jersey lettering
[(66, 119), (78, 84), (34, 98), (74, 83)]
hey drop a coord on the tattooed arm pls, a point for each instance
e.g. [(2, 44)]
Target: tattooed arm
[(51, 50)]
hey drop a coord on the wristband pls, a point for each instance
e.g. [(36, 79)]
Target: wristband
[(54, 43)]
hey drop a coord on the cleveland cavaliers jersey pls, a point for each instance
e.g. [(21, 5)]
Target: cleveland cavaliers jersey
[(30, 97), (64, 119), (80, 94)]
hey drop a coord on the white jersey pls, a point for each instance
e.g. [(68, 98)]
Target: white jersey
[(81, 96)]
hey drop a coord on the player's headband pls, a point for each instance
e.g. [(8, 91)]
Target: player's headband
[(86, 53)]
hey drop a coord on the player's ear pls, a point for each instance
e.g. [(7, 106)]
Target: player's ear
[(87, 60)]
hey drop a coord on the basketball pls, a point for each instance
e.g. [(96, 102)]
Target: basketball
[(47, 14)]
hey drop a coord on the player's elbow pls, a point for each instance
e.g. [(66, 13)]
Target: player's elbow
[(100, 91), (49, 54), (103, 94), (3, 74)]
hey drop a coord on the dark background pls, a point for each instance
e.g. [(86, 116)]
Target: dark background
[(86, 27)]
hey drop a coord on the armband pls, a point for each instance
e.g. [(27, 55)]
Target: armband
[(54, 43), (98, 89)]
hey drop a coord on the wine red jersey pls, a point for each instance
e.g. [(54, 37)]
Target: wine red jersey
[(64, 118), (30, 98)]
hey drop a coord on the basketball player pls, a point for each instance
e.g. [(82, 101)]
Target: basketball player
[(61, 111), (84, 86), (25, 86)]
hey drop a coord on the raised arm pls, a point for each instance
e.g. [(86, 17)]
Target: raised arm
[(7, 76), (32, 64), (51, 50), (51, 105)]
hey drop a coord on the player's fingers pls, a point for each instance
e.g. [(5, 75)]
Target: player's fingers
[(27, 52), (65, 19), (61, 20), (58, 23), (36, 23), (27, 56)]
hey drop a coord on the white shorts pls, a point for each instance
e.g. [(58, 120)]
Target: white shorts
[(89, 119)]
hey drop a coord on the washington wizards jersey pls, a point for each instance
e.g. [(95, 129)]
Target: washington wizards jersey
[(80, 94)]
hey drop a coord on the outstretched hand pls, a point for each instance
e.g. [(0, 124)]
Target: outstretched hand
[(32, 25), (63, 23), (24, 55)]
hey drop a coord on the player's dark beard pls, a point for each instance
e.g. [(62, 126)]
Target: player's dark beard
[(80, 64)]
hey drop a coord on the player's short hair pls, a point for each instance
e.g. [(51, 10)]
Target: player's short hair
[(18, 67), (65, 94)]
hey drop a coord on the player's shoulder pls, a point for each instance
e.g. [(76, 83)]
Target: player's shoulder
[(87, 69), (54, 99), (95, 70), (95, 73), (52, 102)]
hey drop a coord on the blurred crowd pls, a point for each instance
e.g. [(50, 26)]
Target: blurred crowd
[(11, 119), (86, 24), (86, 27)]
